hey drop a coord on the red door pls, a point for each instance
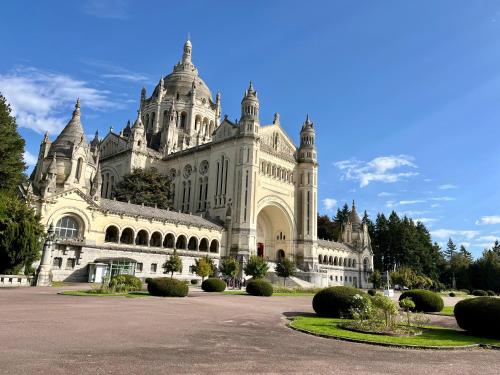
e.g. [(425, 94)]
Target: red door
[(260, 249)]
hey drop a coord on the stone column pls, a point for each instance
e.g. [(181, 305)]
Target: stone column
[(44, 271)]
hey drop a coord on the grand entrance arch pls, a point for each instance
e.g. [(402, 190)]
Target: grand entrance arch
[(275, 233)]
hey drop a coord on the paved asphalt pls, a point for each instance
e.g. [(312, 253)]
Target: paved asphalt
[(45, 333)]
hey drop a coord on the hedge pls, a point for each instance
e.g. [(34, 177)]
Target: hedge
[(480, 293), (213, 285), (372, 292), (259, 287), (194, 281), (491, 293), (167, 287), (479, 316), (125, 283), (425, 300), (335, 302)]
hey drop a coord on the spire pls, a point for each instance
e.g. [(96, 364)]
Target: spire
[(46, 137), (71, 136), (356, 221), (186, 56), (276, 120), (138, 122), (95, 141)]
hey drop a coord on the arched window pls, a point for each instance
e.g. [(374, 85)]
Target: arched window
[(79, 166), (214, 246), (181, 242), (330, 260), (354, 263), (155, 239), (169, 241), (183, 120), (127, 236), (349, 262), (111, 234), (365, 264), (345, 262), (335, 261), (193, 243), (67, 227), (203, 244), (142, 238), (320, 259), (340, 261)]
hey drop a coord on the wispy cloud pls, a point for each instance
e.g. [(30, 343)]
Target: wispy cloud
[(425, 220), (489, 238), (388, 169), (109, 70), (329, 203), (445, 233), (42, 100), (116, 9), (487, 220), (442, 199), (29, 158), (415, 201), (385, 194), (447, 187)]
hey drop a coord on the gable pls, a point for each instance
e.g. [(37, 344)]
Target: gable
[(273, 139), (225, 130)]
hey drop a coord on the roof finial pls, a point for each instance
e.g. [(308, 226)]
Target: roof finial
[(77, 105)]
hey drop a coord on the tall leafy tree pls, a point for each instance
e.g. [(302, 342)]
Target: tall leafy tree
[(173, 264), (11, 150), (285, 268), (256, 267), (204, 267), (144, 186), (229, 268)]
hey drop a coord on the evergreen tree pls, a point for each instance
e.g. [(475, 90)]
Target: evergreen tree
[(326, 228), (256, 267), (146, 187), (465, 253), (450, 250), (285, 268), (11, 150), (339, 220), (229, 268), (173, 264)]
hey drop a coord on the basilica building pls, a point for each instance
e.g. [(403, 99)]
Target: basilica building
[(239, 188)]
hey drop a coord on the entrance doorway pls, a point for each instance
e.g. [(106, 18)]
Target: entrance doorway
[(260, 249)]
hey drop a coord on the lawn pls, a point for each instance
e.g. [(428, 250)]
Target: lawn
[(447, 310), (89, 293), (431, 337)]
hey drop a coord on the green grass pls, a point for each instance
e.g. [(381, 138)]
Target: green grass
[(280, 294), (447, 310), (88, 293), (431, 337)]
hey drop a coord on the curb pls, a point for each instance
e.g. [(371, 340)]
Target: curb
[(403, 346)]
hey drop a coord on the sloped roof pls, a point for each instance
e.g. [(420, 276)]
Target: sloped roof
[(71, 136), (334, 245), (156, 213)]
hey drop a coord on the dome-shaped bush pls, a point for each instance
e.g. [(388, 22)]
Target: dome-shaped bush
[(479, 316), (167, 287), (125, 283), (491, 293), (213, 285), (452, 294), (372, 292), (425, 300), (335, 302), (480, 293), (259, 287), (194, 281)]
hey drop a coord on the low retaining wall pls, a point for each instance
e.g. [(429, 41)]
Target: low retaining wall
[(15, 280)]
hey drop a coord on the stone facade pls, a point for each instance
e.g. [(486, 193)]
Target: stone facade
[(239, 188)]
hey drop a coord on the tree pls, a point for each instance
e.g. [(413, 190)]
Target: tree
[(484, 273), (144, 186), (21, 235), (376, 279), (285, 268), (465, 253), (229, 268), (173, 264), (204, 267), (256, 267), (326, 228), (11, 150), (449, 254)]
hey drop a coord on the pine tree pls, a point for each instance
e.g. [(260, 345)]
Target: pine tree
[(450, 250), (465, 253), (11, 150)]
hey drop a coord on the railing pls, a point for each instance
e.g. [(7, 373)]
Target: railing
[(15, 280)]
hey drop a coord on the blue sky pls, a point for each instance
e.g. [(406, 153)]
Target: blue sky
[(405, 96)]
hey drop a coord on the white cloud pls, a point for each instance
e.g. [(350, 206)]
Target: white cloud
[(385, 194), (113, 71), (465, 244), (390, 204), (442, 199), (447, 187), (427, 179), (381, 169), (445, 233), (29, 159), (116, 9), (488, 238), (412, 201), (434, 205), (329, 203), (42, 101), (486, 220)]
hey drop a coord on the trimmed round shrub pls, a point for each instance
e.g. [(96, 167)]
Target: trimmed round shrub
[(452, 294), (480, 293), (167, 287), (466, 291), (491, 293), (372, 292), (336, 301), (125, 283), (213, 285), (194, 281), (259, 287), (148, 279), (479, 316), (425, 300)]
